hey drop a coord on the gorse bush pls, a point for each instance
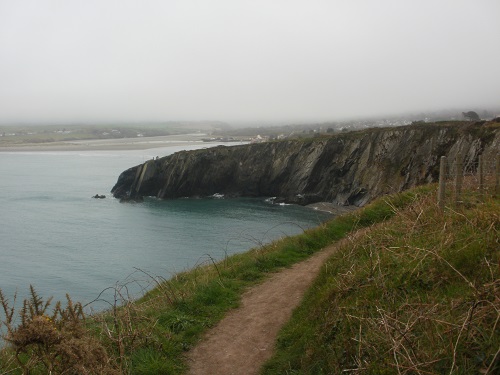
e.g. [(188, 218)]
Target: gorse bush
[(51, 343)]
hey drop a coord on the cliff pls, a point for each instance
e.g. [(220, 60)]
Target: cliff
[(347, 169)]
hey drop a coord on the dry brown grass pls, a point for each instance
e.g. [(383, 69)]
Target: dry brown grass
[(51, 343), (419, 294)]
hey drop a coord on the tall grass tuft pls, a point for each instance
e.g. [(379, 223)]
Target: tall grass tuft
[(417, 294)]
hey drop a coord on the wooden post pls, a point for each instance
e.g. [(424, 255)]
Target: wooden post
[(480, 168), (459, 175), (497, 177), (442, 182)]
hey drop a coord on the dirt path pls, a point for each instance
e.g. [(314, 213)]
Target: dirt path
[(245, 338)]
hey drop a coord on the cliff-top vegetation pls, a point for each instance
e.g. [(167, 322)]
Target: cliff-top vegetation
[(417, 292)]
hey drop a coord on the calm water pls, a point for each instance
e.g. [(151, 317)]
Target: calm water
[(54, 236)]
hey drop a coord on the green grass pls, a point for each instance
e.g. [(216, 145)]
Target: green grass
[(417, 294)]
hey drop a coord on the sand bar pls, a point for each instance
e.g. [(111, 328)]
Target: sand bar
[(137, 143)]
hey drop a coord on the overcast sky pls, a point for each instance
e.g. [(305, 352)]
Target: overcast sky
[(239, 60)]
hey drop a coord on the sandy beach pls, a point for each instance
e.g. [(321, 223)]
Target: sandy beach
[(138, 143)]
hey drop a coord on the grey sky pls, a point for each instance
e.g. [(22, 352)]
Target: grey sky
[(271, 60)]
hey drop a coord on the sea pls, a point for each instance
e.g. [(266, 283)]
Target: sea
[(55, 237)]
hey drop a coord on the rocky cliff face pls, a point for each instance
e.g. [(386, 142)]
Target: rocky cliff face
[(347, 169)]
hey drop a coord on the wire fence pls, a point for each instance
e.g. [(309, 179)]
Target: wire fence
[(459, 175)]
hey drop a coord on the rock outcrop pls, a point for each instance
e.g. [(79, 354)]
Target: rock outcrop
[(347, 169)]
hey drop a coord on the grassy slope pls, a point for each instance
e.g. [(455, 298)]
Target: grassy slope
[(419, 293)]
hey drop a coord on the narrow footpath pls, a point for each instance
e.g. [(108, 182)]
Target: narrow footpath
[(245, 338)]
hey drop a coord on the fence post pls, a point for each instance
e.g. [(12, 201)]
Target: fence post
[(480, 169), (442, 182), (497, 177), (459, 174)]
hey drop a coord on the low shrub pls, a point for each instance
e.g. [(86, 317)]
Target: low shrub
[(51, 343)]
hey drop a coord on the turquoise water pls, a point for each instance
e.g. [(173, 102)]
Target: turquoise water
[(54, 236)]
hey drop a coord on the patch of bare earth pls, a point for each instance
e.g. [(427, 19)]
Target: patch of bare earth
[(245, 338)]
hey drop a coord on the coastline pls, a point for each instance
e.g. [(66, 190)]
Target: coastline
[(124, 144)]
